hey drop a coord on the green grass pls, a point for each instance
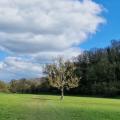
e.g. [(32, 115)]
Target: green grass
[(43, 107)]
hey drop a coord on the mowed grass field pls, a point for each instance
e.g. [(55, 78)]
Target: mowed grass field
[(44, 107)]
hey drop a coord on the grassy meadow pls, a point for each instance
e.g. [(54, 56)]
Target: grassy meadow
[(45, 107)]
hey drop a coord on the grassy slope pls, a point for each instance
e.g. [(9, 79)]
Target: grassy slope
[(35, 107)]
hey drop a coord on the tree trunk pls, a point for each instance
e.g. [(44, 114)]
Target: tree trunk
[(62, 93)]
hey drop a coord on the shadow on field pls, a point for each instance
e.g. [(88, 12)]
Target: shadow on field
[(44, 99)]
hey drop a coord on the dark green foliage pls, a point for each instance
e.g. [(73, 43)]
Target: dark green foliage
[(100, 71)]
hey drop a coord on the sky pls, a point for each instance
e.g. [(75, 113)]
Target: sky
[(34, 32), (108, 31)]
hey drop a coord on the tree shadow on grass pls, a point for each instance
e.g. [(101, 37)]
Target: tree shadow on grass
[(44, 99)]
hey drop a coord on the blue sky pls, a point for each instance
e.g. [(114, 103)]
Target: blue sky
[(108, 31), (34, 32)]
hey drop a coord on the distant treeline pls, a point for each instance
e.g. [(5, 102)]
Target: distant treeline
[(98, 70), (32, 86)]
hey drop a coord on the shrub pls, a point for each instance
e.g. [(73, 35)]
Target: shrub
[(3, 87)]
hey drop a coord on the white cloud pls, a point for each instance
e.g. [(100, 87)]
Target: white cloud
[(15, 67), (49, 25), (42, 29), (1, 65), (46, 57)]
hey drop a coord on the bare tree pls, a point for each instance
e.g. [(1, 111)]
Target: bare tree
[(61, 74)]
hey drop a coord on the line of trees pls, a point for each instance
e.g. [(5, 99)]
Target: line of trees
[(97, 72), (100, 71), (33, 86)]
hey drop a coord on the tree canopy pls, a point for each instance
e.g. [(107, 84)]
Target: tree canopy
[(61, 74)]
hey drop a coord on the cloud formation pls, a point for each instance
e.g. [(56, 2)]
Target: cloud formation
[(42, 29), (16, 67)]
